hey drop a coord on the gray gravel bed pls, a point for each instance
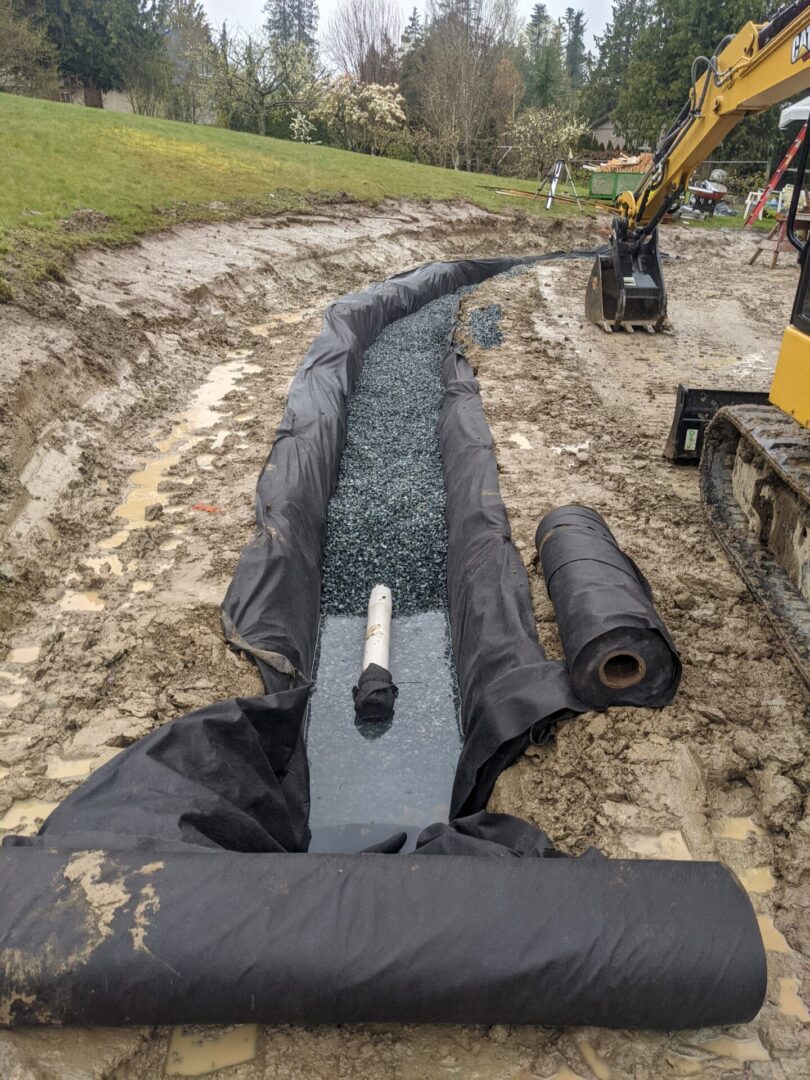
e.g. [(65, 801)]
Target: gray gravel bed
[(386, 518), (484, 326)]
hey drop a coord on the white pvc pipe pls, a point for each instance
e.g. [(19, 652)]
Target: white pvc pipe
[(378, 628)]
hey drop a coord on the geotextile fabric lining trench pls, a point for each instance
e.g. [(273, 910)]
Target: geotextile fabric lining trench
[(171, 886), (510, 692)]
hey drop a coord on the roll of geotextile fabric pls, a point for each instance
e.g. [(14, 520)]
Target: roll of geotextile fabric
[(618, 650)]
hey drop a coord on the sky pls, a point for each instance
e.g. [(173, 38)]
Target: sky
[(248, 13)]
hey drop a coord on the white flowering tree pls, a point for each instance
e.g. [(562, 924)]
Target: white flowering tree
[(301, 127), (538, 137), (361, 116)]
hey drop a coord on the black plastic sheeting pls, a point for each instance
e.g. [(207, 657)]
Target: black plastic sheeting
[(375, 696), (618, 650), (171, 887), (309, 939), (510, 692)]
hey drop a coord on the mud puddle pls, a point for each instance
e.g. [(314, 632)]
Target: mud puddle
[(201, 1052)]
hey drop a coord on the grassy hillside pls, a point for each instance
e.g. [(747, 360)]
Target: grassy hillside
[(144, 174)]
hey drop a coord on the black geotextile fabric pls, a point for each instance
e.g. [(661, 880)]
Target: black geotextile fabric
[(509, 691), (219, 937), (375, 695), (148, 896), (618, 650), (272, 605)]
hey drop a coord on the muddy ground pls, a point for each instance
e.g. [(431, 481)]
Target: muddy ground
[(138, 401)]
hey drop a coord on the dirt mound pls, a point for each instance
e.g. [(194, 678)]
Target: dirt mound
[(86, 220)]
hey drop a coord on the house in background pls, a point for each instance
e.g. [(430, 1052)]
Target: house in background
[(605, 134), (112, 100)]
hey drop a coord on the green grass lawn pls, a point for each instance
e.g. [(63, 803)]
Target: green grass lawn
[(145, 174)]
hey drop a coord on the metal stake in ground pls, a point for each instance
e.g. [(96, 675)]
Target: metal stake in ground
[(375, 693)]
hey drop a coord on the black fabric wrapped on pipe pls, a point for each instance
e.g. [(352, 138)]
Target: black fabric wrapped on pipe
[(95, 938), (618, 650)]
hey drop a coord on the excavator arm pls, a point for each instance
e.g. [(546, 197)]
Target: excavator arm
[(754, 455), (750, 71)]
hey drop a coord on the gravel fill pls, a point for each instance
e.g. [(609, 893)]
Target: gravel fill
[(484, 329), (386, 518)]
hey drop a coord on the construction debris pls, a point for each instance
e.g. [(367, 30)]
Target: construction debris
[(639, 163)]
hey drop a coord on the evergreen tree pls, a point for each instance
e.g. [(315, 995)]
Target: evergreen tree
[(657, 78), (413, 36), (576, 54), (537, 27), (614, 49), (97, 40), (544, 68), (292, 22)]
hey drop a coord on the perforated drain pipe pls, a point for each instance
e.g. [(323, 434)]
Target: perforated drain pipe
[(378, 628), (375, 693)]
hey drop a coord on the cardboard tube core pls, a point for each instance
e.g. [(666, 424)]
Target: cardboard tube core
[(622, 669)]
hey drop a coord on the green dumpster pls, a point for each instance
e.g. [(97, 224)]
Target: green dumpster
[(607, 185)]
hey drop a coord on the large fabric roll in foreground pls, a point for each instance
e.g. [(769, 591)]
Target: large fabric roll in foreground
[(220, 937), (616, 645)]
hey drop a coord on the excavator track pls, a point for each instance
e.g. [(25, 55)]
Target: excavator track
[(755, 482)]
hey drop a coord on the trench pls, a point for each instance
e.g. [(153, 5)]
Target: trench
[(386, 525)]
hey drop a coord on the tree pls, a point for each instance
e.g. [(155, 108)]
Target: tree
[(96, 40), (538, 25), (543, 61), (464, 43), (657, 78), (188, 46), (361, 116), (614, 50), (413, 36), (254, 75), (507, 94), (292, 22), (27, 58), (539, 137), (362, 38), (576, 54), (411, 65)]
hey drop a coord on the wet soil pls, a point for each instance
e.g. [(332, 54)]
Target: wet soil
[(139, 400)]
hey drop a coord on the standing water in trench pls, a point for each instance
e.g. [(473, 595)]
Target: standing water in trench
[(386, 525)]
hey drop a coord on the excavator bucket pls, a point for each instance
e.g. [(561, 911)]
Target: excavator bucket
[(626, 287)]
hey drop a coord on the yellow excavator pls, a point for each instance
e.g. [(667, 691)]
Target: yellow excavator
[(754, 455)]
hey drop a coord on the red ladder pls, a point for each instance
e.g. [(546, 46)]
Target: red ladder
[(777, 176)]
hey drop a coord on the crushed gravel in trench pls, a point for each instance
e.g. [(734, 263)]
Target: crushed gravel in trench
[(386, 517), (112, 627)]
